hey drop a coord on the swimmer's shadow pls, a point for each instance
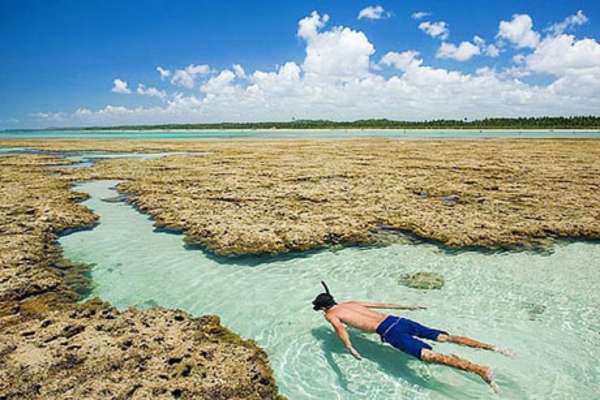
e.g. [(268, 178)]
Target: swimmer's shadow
[(390, 360)]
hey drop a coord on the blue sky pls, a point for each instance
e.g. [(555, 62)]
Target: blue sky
[(62, 56)]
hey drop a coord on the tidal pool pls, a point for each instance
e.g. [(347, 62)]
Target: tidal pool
[(544, 307)]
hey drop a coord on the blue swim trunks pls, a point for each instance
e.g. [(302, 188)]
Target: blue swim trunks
[(401, 332)]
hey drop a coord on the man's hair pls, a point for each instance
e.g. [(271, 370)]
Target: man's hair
[(323, 300)]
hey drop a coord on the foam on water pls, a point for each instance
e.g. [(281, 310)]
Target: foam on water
[(544, 307)]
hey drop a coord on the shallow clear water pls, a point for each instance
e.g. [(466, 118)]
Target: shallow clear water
[(293, 134), (544, 307)]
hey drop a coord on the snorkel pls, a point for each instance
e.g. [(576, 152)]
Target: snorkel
[(323, 300)]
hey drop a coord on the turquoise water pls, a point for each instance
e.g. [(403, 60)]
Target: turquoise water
[(295, 134), (544, 307)]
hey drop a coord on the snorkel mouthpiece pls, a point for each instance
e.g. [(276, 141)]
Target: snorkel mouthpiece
[(323, 300)]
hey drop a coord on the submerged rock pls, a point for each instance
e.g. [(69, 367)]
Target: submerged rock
[(534, 310), (423, 280), (115, 199)]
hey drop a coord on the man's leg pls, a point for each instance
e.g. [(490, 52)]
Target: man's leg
[(465, 341), (460, 363)]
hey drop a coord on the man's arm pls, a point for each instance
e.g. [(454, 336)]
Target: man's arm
[(343, 334), (389, 306)]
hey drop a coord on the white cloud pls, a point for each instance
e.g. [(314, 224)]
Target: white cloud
[(492, 50), (402, 61), (308, 27), (563, 54), (519, 31), (50, 116), (519, 58), (373, 12), (420, 15), (466, 50), (340, 53), (120, 86), (337, 80), (219, 84), (463, 52), (164, 73), (435, 29), (187, 77), (568, 23), (151, 91), (239, 71)]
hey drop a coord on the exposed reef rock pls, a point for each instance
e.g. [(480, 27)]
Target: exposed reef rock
[(34, 208), (423, 280), (253, 197), (95, 352), (51, 347)]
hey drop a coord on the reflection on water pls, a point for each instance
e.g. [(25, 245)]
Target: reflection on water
[(544, 307)]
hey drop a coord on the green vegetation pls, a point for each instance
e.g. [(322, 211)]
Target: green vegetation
[(588, 122), (580, 122)]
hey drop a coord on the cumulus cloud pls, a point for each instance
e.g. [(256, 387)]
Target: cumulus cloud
[(568, 23), (373, 12), (164, 73), (340, 53), (120, 86), (420, 15), (467, 50), (337, 80), (463, 52), (151, 91), (564, 54), (435, 29), (492, 50), (519, 31), (402, 61), (186, 77), (219, 84), (239, 71)]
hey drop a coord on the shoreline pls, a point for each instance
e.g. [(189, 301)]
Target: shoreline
[(317, 130)]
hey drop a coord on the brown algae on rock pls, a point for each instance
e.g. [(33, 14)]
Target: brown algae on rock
[(423, 280)]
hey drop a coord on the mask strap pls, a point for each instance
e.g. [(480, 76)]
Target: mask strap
[(326, 288)]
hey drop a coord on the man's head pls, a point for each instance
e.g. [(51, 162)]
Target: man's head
[(323, 301)]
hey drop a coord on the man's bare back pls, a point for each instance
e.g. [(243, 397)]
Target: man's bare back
[(357, 315)]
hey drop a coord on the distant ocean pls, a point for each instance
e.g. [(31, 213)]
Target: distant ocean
[(294, 134)]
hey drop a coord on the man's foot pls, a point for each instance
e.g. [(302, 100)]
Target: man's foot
[(506, 351), (488, 376)]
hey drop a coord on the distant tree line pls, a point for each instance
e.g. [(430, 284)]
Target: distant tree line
[(580, 122)]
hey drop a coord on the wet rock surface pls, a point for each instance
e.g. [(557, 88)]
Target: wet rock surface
[(254, 197), (51, 347)]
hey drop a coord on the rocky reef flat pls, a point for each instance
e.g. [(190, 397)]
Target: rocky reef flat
[(52, 347), (269, 197)]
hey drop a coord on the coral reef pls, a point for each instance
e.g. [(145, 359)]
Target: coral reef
[(52, 347), (253, 197)]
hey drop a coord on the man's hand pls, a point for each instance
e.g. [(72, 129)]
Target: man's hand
[(355, 353)]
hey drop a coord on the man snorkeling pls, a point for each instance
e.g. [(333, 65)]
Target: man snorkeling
[(401, 333)]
